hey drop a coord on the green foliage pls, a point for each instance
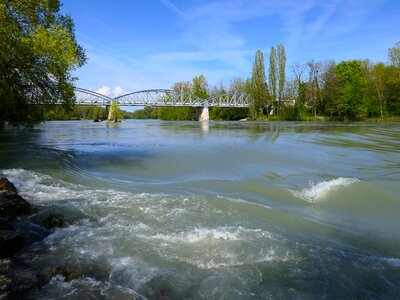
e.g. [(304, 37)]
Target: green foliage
[(392, 90), (58, 112), (176, 113), (281, 73), (272, 77), (394, 55), (38, 51), (231, 114), (258, 89), (146, 113), (351, 84), (115, 112), (200, 87)]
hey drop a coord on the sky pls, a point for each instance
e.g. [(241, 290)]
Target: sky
[(134, 45)]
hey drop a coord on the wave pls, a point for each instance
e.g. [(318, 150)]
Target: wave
[(317, 192)]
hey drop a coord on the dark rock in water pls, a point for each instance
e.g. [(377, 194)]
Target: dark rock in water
[(5, 279), (54, 221), (161, 287), (10, 240), (13, 205), (24, 280), (75, 271), (10, 243), (7, 186), (16, 280), (96, 120)]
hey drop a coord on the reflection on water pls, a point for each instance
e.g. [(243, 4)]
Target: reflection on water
[(216, 210), (204, 127), (114, 124)]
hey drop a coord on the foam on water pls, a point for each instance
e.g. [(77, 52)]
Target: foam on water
[(317, 192), (213, 234)]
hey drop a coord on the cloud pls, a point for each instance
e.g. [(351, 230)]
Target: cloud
[(117, 91), (104, 90), (107, 91)]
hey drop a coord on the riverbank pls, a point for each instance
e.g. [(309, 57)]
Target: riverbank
[(21, 226)]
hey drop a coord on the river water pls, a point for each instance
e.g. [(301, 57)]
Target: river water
[(219, 210)]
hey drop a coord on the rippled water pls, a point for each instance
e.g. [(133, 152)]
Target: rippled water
[(225, 210)]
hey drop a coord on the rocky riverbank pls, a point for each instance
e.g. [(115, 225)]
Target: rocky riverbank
[(21, 226)]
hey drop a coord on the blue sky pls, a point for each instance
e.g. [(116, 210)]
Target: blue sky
[(141, 44)]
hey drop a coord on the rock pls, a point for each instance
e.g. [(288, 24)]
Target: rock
[(10, 240), (5, 283), (23, 280), (7, 186), (75, 271), (54, 221), (13, 205), (5, 265)]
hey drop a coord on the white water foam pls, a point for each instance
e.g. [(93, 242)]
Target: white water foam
[(317, 192), (208, 234)]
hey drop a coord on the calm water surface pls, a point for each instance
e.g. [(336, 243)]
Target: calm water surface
[(225, 210)]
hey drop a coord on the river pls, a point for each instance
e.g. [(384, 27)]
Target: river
[(219, 210)]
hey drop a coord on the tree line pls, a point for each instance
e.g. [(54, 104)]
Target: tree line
[(348, 90)]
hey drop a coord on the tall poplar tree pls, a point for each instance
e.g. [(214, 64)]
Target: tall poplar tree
[(258, 91), (281, 76), (272, 78)]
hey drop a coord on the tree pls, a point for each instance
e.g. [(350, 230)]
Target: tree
[(298, 70), (115, 112), (351, 84), (329, 88), (392, 90), (200, 87), (313, 91), (394, 55), (281, 76), (38, 51), (238, 85), (258, 88), (272, 78)]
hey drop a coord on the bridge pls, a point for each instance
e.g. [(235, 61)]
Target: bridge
[(163, 97)]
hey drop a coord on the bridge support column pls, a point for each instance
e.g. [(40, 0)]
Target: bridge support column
[(110, 113), (202, 114)]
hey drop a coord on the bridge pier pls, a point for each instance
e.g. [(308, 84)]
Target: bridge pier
[(202, 114), (110, 113)]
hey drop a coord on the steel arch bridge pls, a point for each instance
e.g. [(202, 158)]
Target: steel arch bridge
[(161, 97)]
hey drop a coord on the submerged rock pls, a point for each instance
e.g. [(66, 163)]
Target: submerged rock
[(54, 221), (10, 243), (10, 240), (13, 205), (75, 271)]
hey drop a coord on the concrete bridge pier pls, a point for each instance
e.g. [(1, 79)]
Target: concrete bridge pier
[(202, 114), (110, 113)]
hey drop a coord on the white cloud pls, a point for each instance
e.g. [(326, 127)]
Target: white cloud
[(117, 91), (110, 92), (104, 90)]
